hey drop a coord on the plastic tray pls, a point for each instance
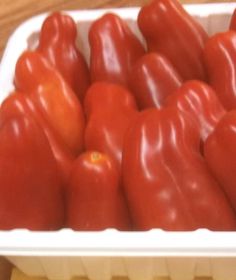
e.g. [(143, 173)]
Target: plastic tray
[(101, 255)]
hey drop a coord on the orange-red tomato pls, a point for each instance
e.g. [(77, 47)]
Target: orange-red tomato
[(56, 101), (20, 104)]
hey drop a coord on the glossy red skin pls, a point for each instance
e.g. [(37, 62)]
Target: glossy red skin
[(220, 154), (220, 56), (35, 77), (95, 199), (57, 42), (110, 109), (170, 30), (166, 180), (19, 104), (200, 101), (31, 194), (232, 24), (113, 49), (152, 79)]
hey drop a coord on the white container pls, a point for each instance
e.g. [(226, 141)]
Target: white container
[(101, 255)]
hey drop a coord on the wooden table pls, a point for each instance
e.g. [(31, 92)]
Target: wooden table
[(12, 13)]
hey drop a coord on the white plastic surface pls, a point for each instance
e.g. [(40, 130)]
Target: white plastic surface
[(101, 255)]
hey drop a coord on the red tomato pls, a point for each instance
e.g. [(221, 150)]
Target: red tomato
[(166, 180), (170, 30), (200, 101), (152, 79), (220, 57), (232, 24), (57, 42), (31, 193), (95, 200), (220, 154), (109, 108), (114, 49)]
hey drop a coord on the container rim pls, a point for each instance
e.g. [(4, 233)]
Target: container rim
[(114, 243)]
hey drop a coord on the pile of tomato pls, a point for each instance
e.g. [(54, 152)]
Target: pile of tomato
[(140, 137)]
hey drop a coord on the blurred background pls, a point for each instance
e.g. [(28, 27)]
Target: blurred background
[(12, 13)]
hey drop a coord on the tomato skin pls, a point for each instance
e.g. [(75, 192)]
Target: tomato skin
[(220, 56), (57, 42), (152, 79), (95, 200), (200, 101), (46, 88), (113, 49), (109, 109), (232, 24), (17, 104), (166, 180), (170, 30), (31, 193), (220, 154)]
